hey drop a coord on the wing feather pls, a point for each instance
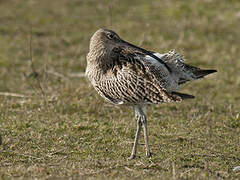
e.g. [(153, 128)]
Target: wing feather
[(130, 81)]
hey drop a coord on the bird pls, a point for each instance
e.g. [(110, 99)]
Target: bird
[(125, 74)]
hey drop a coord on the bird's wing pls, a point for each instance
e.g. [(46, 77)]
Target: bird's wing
[(130, 81), (180, 71)]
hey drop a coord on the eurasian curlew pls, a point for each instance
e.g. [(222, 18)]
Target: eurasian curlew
[(123, 73)]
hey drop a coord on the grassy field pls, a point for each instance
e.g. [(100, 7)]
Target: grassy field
[(54, 125)]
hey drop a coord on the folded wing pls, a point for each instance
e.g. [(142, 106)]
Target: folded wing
[(130, 81), (180, 71)]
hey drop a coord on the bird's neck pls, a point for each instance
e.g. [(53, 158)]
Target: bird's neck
[(98, 62), (99, 56)]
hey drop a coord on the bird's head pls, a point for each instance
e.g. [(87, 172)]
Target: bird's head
[(104, 38), (104, 41)]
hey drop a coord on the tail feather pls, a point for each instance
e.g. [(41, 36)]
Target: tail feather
[(198, 73), (183, 96), (201, 73)]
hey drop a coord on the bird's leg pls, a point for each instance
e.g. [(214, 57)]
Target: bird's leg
[(141, 120), (139, 126), (144, 121)]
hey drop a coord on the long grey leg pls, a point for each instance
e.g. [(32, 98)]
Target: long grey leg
[(141, 119), (148, 152), (134, 149)]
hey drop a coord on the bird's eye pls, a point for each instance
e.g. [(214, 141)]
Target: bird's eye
[(110, 36)]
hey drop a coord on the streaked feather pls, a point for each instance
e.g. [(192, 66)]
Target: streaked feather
[(126, 74)]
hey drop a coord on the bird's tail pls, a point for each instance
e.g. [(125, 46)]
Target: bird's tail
[(182, 95), (198, 73), (201, 73), (184, 72)]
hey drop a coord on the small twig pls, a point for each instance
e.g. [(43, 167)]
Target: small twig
[(79, 75), (143, 144), (110, 12), (101, 171), (57, 74), (56, 152), (30, 53), (127, 168), (34, 69), (13, 94), (29, 156), (186, 172), (174, 170), (236, 169), (142, 40), (24, 155), (217, 155)]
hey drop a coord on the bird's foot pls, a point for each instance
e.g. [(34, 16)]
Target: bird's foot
[(148, 154), (133, 156)]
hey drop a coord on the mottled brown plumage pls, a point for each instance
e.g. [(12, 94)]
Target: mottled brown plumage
[(126, 74)]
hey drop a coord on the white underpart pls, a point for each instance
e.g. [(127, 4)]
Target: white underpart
[(120, 102), (158, 55)]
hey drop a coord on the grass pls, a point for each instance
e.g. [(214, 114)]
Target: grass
[(62, 129)]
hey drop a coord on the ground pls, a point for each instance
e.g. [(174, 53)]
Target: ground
[(54, 125)]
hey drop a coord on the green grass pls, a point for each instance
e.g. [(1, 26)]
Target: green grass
[(63, 129)]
